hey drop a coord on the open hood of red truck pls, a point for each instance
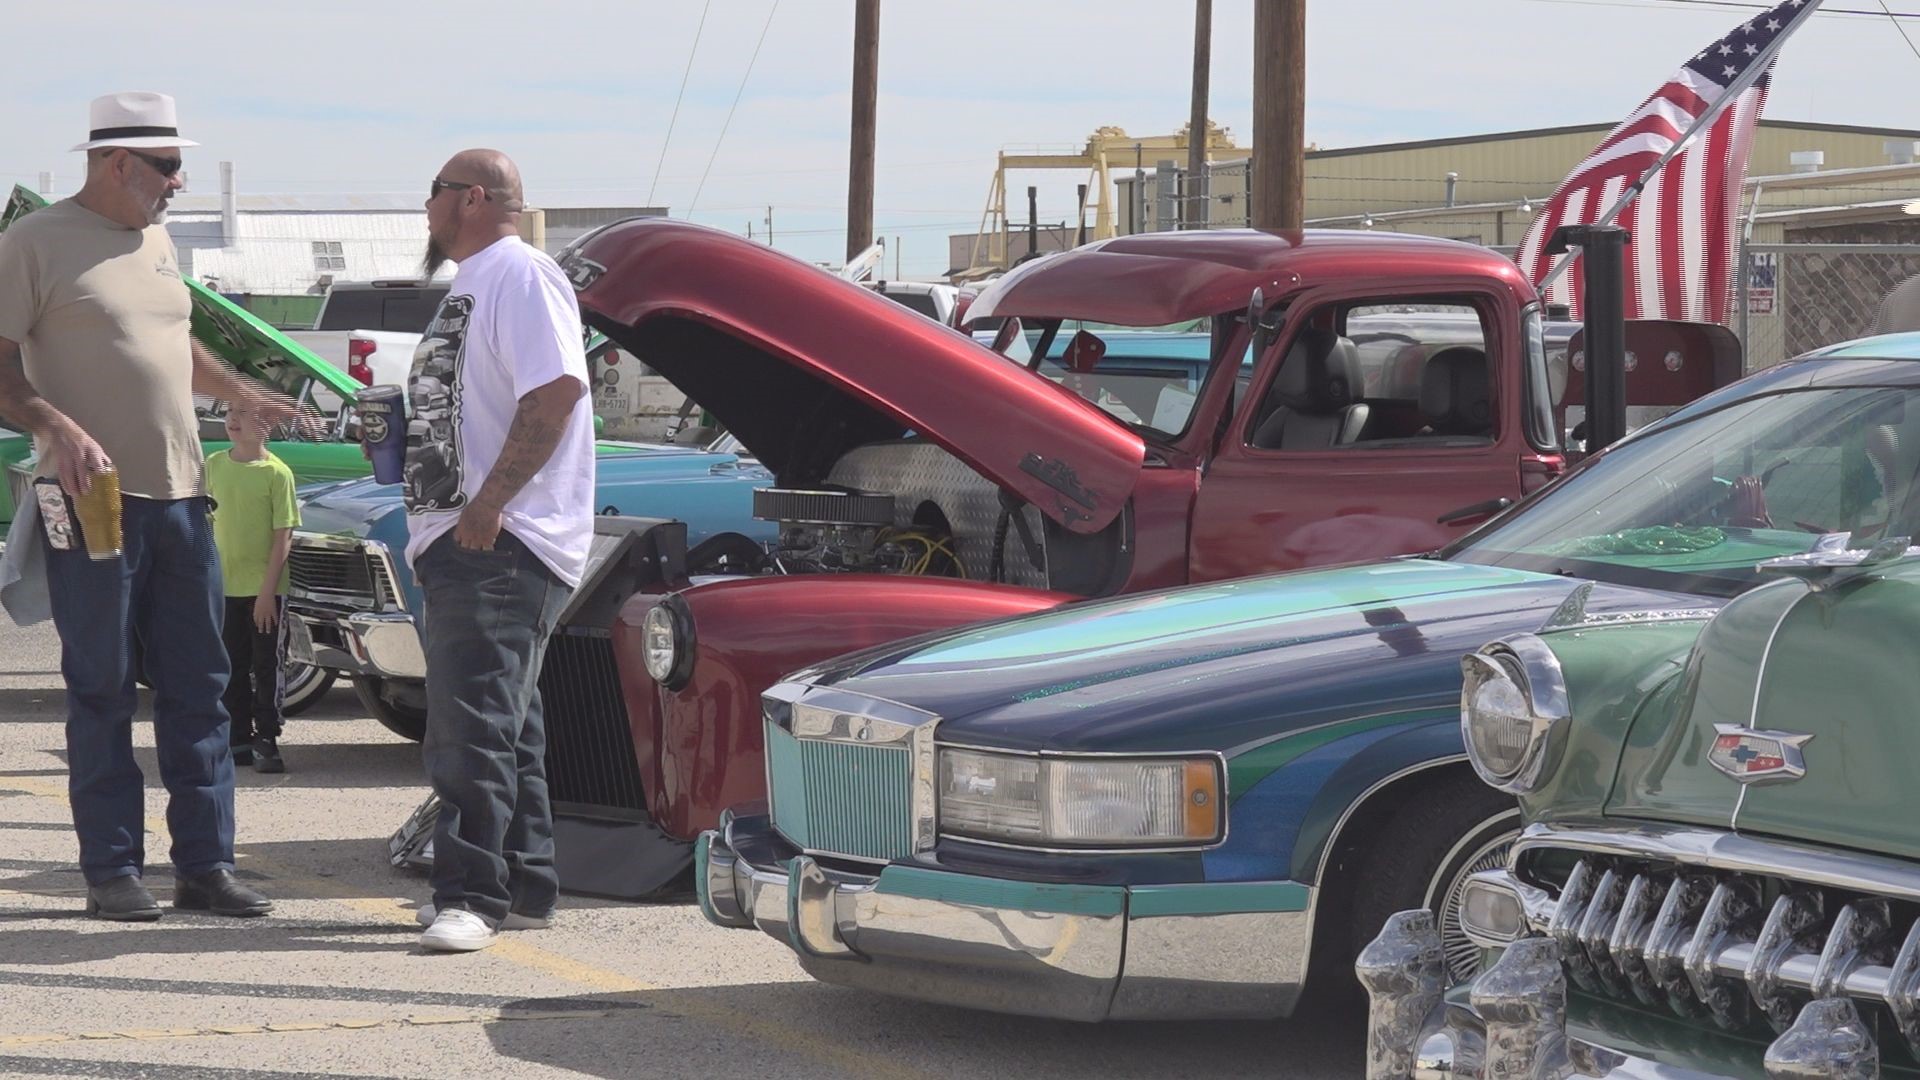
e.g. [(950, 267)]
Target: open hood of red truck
[(802, 366)]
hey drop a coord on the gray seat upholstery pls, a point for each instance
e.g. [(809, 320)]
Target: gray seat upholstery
[(1315, 399), (1455, 393)]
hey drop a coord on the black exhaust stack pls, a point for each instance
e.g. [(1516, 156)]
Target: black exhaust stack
[(1604, 247)]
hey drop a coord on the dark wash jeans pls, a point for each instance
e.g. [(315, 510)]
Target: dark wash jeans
[(165, 587), (487, 618)]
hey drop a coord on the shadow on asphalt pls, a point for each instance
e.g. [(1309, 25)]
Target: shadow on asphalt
[(331, 766), (179, 934), (33, 705), (928, 1038)]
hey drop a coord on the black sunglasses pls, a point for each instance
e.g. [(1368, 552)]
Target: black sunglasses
[(166, 167), (449, 185)]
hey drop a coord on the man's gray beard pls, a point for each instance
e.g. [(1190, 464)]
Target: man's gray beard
[(436, 258)]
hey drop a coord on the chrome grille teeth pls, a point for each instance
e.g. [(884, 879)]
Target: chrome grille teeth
[(1862, 934), (1733, 907), (1596, 930), (1631, 932), (1903, 989), (1672, 932), (1791, 929), (1565, 926)]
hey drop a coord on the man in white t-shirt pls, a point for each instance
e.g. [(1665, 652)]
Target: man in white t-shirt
[(499, 488)]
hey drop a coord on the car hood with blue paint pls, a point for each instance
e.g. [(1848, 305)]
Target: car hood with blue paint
[(1224, 666), (711, 492)]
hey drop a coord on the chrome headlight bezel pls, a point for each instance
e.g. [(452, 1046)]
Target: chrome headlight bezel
[(1201, 793), (1526, 662), (672, 666)]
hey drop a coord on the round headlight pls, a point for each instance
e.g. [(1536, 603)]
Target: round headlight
[(663, 645), (1513, 705)]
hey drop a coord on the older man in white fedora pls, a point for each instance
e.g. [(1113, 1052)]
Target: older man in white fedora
[(96, 360)]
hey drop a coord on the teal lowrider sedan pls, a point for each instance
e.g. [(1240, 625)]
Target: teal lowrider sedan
[(1719, 871)]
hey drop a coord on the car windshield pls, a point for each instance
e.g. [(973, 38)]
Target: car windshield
[(1695, 506), (1148, 379)]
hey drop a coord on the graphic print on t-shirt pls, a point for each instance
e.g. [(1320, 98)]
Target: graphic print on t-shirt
[(434, 475)]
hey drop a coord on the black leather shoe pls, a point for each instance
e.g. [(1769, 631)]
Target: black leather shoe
[(219, 892), (243, 754), (123, 899), (266, 756)]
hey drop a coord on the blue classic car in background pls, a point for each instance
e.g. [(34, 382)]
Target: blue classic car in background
[(356, 598), (1176, 804)]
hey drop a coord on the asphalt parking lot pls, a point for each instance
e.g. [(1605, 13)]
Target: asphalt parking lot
[(333, 984)]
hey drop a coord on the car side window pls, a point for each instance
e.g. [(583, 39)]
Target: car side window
[(1372, 375)]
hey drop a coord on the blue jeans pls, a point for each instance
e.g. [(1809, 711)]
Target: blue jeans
[(164, 588), (487, 618)]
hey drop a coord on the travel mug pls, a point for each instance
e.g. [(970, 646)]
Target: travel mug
[(383, 427), (99, 514)]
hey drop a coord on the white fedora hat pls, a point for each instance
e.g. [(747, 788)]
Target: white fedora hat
[(137, 119)]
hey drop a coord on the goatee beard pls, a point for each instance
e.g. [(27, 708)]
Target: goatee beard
[(435, 259)]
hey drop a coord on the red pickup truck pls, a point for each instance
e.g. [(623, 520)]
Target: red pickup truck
[(1165, 409)]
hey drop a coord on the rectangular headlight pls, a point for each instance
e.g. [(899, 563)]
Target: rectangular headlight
[(1080, 802)]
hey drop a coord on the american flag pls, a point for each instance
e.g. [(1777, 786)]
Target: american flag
[(1680, 258)]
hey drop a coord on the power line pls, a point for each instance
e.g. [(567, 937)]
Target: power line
[(1902, 29), (736, 104), (664, 143), (1748, 5), (1646, 5)]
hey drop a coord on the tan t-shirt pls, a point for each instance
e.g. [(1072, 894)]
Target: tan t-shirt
[(102, 317)]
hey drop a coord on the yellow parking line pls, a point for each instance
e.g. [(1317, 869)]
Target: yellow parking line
[(531, 957)]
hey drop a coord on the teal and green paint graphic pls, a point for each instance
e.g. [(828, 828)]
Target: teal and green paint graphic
[(1113, 627)]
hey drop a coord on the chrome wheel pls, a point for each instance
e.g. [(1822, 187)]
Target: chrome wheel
[(1483, 848), (303, 684)]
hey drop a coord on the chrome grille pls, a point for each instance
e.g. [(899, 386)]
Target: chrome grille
[(841, 798), (342, 575), (1741, 947)]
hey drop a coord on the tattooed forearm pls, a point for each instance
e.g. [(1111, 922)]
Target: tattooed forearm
[(21, 406), (215, 379), (536, 429)]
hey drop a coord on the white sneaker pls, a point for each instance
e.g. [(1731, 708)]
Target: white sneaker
[(455, 930), (515, 920)]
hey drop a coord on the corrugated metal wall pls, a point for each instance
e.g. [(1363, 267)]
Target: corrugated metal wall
[(1501, 169)]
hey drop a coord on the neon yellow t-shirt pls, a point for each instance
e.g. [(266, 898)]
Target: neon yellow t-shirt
[(252, 500)]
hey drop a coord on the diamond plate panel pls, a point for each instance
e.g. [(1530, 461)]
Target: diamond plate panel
[(921, 472)]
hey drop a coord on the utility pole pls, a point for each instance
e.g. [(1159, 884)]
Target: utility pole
[(1033, 220), (1194, 212), (769, 226), (866, 96), (1279, 113)]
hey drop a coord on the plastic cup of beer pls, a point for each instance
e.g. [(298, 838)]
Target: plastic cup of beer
[(99, 514)]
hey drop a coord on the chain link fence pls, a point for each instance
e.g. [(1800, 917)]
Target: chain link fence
[(1797, 297)]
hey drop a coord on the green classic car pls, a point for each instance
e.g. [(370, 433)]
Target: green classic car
[(1719, 873), (250, 345)]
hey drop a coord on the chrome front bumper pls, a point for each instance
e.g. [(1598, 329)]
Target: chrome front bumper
[(1512, 1021), (385, 645), (1076, 952)]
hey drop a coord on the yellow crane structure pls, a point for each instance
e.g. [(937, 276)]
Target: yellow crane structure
[(1107, 150)]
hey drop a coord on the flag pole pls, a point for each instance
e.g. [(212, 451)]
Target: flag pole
[(1751, 75)]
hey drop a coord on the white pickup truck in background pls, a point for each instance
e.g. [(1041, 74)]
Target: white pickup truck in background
[(368, 329)]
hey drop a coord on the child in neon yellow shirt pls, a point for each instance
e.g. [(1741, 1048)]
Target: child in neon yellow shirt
[(253, 520)]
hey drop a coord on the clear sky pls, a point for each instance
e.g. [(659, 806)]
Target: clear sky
[(357, 96)]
